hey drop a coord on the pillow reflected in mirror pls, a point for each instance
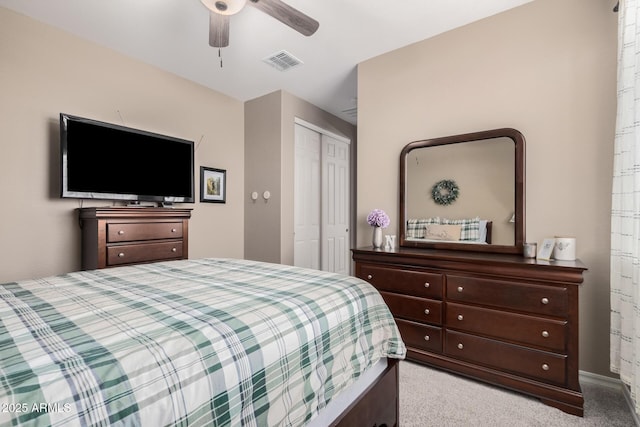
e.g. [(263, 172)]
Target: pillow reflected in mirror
[(415, 227), (449, 232)]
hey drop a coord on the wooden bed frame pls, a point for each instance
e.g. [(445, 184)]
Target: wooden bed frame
[(378, 405)]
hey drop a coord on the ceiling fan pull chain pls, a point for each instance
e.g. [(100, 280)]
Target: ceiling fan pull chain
[(220, 56)]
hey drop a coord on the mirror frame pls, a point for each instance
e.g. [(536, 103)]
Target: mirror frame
[(519, 178)]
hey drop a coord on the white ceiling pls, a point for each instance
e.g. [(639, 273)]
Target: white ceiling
[(173, 35)]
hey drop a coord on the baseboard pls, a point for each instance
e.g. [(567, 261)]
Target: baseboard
[(627, 397), (612, 383), (601, 380)]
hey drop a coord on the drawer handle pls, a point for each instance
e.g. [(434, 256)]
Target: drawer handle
[(427, 311), (120, 232), (173, 230), (174, 250), (121, 255), (460, 346), (426, 284), (545, 367), (545, 301), (426, 338), (460, 317), (369, 276), (460, 288), (545, 334)]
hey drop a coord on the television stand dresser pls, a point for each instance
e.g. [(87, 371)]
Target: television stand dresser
[(500, 318), (114, 236)]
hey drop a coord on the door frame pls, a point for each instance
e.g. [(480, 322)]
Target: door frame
[(318, 129)]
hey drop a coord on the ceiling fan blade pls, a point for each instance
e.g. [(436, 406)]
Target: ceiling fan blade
[(287, 15), (218, 30)]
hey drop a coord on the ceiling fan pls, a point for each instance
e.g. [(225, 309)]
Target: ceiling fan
[(221, 11)]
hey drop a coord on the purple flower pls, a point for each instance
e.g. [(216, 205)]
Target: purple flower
[(378, 218)]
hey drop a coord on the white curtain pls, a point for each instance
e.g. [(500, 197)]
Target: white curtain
[(625, 213)]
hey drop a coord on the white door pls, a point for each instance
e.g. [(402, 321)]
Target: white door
[(335, 205), (306, 252), (321, 199)]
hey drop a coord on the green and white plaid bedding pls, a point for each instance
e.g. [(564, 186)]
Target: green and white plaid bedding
[(208, 342)]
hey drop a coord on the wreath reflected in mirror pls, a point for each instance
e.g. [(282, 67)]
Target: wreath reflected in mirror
[(445, 192)]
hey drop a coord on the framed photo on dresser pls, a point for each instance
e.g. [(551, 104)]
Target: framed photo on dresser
[(546, 249)]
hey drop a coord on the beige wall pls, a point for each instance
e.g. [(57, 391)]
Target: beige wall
[(263, 165), (548, 69), (44, 71), (269, 165)]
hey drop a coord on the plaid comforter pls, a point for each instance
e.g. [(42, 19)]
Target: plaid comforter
[(194, 342)]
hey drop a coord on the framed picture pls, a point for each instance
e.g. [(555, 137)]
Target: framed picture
[(546, 248), (213, 185)]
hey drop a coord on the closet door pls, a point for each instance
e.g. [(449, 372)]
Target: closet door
[(321, 199), (307, 197)]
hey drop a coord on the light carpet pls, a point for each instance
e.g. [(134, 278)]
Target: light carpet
[(430, 397)]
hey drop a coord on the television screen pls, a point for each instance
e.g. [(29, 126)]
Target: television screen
[(107, 161)]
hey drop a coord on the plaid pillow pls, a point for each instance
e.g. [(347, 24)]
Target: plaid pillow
[(470, 228), (416, 227)]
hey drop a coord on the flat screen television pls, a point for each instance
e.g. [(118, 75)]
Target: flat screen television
[(111, 162)]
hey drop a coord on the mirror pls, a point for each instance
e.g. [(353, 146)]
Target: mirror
[(464, 192)]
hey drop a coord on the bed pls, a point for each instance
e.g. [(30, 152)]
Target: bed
[(212, 342)]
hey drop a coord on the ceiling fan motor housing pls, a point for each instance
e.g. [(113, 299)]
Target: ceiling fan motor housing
[(224, 7)]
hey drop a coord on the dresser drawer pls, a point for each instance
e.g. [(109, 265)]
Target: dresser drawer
[(128, 232), (537, 364), (413, 308), (146, 252), (416, 283), (547, 333), (419, 336), (546, 300)]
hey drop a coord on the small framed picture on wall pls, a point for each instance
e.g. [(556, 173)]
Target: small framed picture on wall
[(213, 185)]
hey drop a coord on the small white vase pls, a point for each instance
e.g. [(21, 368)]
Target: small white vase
[(377, 237)]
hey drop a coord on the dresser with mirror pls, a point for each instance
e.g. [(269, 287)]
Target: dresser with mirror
[(464, 297)]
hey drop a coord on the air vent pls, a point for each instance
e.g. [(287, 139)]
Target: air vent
[(282, 60), (351, 112)]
